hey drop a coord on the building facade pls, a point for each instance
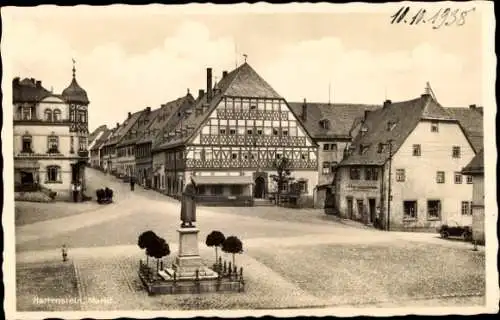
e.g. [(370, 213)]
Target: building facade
[(96, 155), (406, 161), (331, 127), (237, 130), (475, 170), (150, 137), (50, 135)]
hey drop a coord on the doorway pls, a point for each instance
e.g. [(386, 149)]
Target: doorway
[(361, 211), (27, 178), (260, 187), (350, 208), (371, 205)]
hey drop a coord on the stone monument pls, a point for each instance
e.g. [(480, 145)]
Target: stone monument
[(188, 263)]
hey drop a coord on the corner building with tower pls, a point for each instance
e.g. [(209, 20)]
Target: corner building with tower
[(50, 136)]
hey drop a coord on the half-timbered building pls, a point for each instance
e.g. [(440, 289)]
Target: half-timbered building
[(228, 142)]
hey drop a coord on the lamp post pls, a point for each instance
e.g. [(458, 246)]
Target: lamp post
[(389, 189)]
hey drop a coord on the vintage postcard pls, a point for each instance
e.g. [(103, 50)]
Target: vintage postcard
[(249, 160)]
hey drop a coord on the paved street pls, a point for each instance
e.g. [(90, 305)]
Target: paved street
[(292, 258)]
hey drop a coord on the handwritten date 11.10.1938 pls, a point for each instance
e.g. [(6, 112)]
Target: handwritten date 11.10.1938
[(436, 18)]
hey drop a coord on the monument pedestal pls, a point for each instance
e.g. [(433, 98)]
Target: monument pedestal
[(188, 260)]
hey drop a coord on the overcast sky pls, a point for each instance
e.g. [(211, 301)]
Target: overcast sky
[(130, 59)]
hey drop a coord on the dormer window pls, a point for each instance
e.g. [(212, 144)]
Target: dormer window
[(324, 124), (391, 125), (380, 148)]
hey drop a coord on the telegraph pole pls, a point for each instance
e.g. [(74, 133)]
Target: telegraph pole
[(389, 197)]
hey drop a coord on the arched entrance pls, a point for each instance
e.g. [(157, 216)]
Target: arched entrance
[(260, 187)]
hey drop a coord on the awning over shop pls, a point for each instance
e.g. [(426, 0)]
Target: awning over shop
[(26, 164), (205, 180)]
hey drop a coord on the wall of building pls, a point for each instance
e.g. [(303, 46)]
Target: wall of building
[(478, 209), (420, 182), (361, 190), (52, 103)]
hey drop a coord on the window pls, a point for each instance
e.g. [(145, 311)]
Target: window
[(234, 156), (440, 178), (400, 175), (57, 115), (469, 179), (275, 131), (249, 131), (390, 125), (222, 131), (48, 115), (381, 147), (26, 113), (326, 168), (284, 187), (355, 173), (333, 147), (433, 209), (284, 132), (326, 147), (455, 152), (217, 190), (232, 131), (458, 178), (466, 208), (53, 174), (236, 190), (82, 143), (259, 132), (27, 144), (416, 150), (371, 173), (410, 209), (434, 126), (53, 144), (302, 185)]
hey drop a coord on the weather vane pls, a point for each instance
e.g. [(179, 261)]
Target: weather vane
[(246, 56), (74, 70)]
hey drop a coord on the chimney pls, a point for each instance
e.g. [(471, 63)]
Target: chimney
[(201, 93), (209, 84), (304, 110), (366, 114), (224, 74), (480, 110), (39, 84), (148, 109), (33, 80), (16, 81), (387, 103), (472, 106), (129, 115), (117, 125)]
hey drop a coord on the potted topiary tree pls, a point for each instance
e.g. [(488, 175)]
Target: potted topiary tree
[(215, 239), (158, 249), (232, 245), (145, 241)]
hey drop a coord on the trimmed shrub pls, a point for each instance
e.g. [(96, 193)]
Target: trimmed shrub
[(215, 239), (232, 245)]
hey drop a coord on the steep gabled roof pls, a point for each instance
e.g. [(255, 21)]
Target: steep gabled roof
[(102, 139), (471, 119), (123, 129), (241, 82), (341, 117), (167, 112), (96, 132), (136, 131), (476, 165), (404, 117)]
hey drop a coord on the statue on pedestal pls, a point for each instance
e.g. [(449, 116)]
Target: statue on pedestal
[(188, 206)]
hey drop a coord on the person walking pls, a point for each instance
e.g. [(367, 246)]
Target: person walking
[(78, 191), (74, 191), (64, 252), (132, 183)]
